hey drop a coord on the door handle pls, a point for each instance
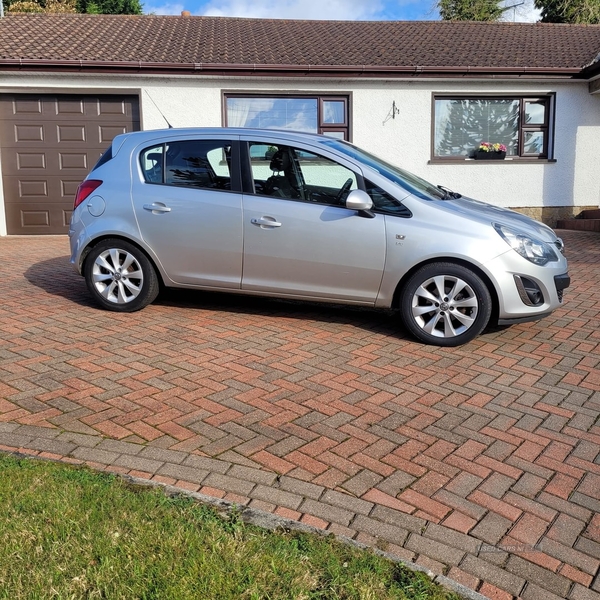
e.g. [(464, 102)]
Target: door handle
[(265, 222), (157, 208)]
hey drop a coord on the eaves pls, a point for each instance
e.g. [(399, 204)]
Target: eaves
[(279, 70)]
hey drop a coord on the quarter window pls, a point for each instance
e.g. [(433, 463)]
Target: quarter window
[(384, 202), (327, 115), (521, 124)]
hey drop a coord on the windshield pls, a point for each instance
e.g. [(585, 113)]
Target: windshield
[(409, 182)]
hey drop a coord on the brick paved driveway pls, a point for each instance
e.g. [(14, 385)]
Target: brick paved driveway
[(480, 462)]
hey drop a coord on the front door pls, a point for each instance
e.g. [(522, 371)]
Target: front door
[(300, 240)]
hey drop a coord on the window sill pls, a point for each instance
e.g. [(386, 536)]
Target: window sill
[(514, 160)]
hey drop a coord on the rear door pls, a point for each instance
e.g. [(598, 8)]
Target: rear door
[(187, 200)]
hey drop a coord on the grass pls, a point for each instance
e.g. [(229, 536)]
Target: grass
[(70, 533)]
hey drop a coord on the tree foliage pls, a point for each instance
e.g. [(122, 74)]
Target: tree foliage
[(470, 10), (50, 6), (106, 7), (569, 11)]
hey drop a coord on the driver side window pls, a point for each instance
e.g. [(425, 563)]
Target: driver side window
[(296, 174)]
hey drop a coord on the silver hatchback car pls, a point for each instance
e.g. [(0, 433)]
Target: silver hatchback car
[(309, 217)]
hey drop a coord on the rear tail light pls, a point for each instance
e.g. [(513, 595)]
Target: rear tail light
[(85, 189)]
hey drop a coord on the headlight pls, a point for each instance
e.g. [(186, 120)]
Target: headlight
[(535, 251)]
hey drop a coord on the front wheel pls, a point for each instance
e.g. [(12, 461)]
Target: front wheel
[(445, 304), (120, 276)]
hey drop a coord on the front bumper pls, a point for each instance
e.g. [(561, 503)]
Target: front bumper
[(525, 291)]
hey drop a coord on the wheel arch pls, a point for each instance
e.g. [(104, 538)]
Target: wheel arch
[(457, 261), (108, 236)]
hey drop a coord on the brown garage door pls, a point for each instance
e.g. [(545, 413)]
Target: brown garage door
[(49, 144)]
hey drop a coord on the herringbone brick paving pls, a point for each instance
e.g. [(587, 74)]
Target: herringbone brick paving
[(480, 462)]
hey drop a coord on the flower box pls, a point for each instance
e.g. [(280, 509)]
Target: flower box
[(490, 151), (483, 155)]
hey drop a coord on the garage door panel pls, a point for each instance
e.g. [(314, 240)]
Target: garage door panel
[(107, 132), (25, 133), (49, 144), (52, 135), (27, 163), (28, 133), (30, 161), (35, 219), (73, 160), (70, 106), (33, 188), (71, 133), (25, 106), (113, 106), (18, 190)]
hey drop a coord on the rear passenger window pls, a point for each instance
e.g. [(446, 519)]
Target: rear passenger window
[(203, 164)]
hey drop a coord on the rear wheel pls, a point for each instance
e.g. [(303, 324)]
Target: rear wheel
[(445, 304), (120, 276)]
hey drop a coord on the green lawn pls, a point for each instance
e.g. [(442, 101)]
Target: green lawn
[(68, 533)]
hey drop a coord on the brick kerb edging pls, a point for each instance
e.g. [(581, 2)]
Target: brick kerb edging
[(273, 522)]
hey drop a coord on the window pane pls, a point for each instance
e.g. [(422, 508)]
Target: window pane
[(299, 114), (383, 201), (321, 172), (152, 164), (296, 174), (198, 164), (535, 113), (219, 159), (262, 164), (533, 142), (339, 135), (462, 124), (333, 111)]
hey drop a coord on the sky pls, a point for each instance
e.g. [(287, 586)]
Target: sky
[(343, 10)]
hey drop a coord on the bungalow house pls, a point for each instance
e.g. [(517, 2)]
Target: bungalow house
[(422, 95)]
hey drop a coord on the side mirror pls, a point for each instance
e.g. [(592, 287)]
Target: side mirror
[(361, 202)]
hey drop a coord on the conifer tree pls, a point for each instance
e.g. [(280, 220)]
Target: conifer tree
[(569, 11), (470, 10)]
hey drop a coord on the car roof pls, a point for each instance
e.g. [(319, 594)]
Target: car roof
[(235, 131)]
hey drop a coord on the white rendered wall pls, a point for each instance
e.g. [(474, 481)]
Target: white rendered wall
[(405, 139), (573, 180)]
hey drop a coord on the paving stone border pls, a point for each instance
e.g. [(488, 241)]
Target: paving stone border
[(271, 522)]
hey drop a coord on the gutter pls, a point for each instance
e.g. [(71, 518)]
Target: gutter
[(592, 69), (27, 64)]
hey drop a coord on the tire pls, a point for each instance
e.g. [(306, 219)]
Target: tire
[(120, 277), (445, 304)]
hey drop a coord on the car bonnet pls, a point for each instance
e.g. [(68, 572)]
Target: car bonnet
[(484, 212)]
